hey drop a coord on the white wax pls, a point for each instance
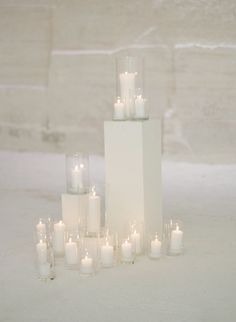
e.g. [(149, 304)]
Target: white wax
[(127, 88), (77, 178), (126, 251), (41, 229), (136, 242), (94, 213), (107, 255), (44, 270), (176, 241), (41, 248), (119, 110), (86, 265), (139, 107), (155, 248), (71, 253), (58, 240)]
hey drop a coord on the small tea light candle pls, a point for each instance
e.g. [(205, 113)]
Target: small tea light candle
[(44, 270), (126, 251), (176, 241), (77, 178), (136, 242), (58, 241), (94, 212), (86, 265), (41, 229), (155, 251), (71, 252), (119, 110), (107, 255), (41, 248), (139, 107)]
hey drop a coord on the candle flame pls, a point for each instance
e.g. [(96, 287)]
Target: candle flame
[(177, 227), (40, 241), (76, 167), (81, 166), (70, 240), (93, 191)]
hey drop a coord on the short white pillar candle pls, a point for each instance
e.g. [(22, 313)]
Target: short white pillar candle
[(71, 252), (86, 265), (58, 240), (155, 249), (119, 110), (94, 212), (136, 242), (41, 248), (41, 229), (176, 240), (107, 255), (126, 251), (139, 107)]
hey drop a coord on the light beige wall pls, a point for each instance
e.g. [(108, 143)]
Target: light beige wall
[(57, 74)]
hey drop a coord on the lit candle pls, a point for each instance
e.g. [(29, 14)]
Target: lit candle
[(119, 110), (136, 242), (139, 107), (107, 255), (77, 178), (58, 241), (41, 229), (155, 248), (127, 88), (126, 251), (94, 212), (86, 265), (176, 241), (41, 248), (44, 270), (71, 252)]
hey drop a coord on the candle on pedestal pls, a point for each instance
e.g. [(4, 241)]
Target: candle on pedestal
[(86, 265), (41, 248), (107, 255), (176, 240), (155, 251), (94, 212), (71, 252), (58, 240), (77, 178), (136, 242), (126, 251), (139, 107), (119, 110)]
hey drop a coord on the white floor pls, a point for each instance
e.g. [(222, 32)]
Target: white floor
[(199, 286)]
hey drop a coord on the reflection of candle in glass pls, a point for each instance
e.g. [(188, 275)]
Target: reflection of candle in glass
[(155, 248), (77, 178), (94, 212), (71, 252), (42, 252), (86, 265), (119, 110), (58, 241), (136, 242), (139, 107), (126, 251), (107, 254), (176, 241)]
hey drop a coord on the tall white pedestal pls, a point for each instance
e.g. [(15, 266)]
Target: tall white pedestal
[(74, 210), (133, 174)]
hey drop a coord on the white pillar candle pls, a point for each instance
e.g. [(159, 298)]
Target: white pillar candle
[(119, 110), (139, 107), (126, 251), (41, 229), (86, 265), (107, 255), (41, 248), (71, 252), (58, 240), (94, 212), (155, 251), (127, 88), (44, 270), (77, 178), (176, 241), (136, 242)]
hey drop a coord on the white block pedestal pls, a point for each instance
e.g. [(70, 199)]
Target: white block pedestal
[(133, 174), (74, 210)]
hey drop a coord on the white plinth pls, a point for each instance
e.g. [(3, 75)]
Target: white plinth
[(74, 210), (133, 174)]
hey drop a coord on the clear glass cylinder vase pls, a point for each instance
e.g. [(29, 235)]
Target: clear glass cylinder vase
[(174, 237), (77, 173)]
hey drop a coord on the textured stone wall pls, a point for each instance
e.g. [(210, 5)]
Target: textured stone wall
[(57, 72)]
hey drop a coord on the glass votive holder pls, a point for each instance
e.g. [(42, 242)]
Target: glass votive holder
[(107, 251), (139, 106), (71, 252), (127, 252), (87, 264), (59, 239), (93, 226), (119, 111), (41, 230), (137, 237), (174, 233), (45, 261), (154, 247), (89, 259), (77, 173)]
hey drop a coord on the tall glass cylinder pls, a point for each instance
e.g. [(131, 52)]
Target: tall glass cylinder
[(77, 173)]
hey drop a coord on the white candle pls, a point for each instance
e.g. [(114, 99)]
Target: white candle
[(77, 178), (44, 270), (41, 229), (86, 265), (71, 252), (58, 240), (139, 107), (126, 251), (155, 248), (107, 255), (41, 248), (176, 241), (136, 242), (127, 89), (119, 110), (94, 212)]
